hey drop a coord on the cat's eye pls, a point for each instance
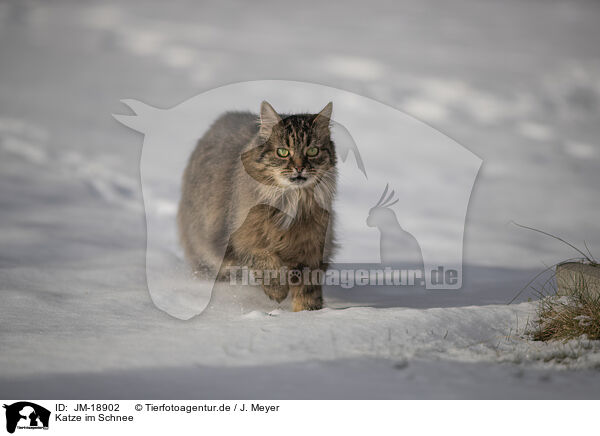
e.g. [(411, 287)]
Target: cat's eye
[(312, 152), (283, 152)]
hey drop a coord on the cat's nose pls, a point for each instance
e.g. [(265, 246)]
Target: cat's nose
[(299, 168)]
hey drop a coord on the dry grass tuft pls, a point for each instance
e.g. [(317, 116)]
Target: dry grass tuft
[(576, 311), (569, 316)]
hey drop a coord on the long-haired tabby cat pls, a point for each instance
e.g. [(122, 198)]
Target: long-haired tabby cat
[(257, 193)]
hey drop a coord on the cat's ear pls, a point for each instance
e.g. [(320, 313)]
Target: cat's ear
[(268, 119), (322, 119)]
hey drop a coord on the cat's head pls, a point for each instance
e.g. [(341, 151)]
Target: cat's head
[(294, 151)]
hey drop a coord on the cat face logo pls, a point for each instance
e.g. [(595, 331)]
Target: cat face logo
[(427, 179), (26, 415)]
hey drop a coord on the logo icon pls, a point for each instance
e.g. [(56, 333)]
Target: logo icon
[(26, 415), (393, 238)]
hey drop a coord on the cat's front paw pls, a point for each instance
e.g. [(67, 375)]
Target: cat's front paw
[(307, 301), (299, 305), (276, 292)]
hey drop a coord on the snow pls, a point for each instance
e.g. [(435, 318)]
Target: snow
[(517, 84)]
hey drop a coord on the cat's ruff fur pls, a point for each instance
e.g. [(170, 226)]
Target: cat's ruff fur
[(241, 205)]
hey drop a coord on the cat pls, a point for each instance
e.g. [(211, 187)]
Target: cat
[(257, 192)]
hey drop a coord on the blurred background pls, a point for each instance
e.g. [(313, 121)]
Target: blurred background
[(516, 82)]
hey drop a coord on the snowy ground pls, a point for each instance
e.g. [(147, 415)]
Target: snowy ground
[(517, 84)]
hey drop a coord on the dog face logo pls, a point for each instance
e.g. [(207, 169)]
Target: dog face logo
[(26, 415)]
